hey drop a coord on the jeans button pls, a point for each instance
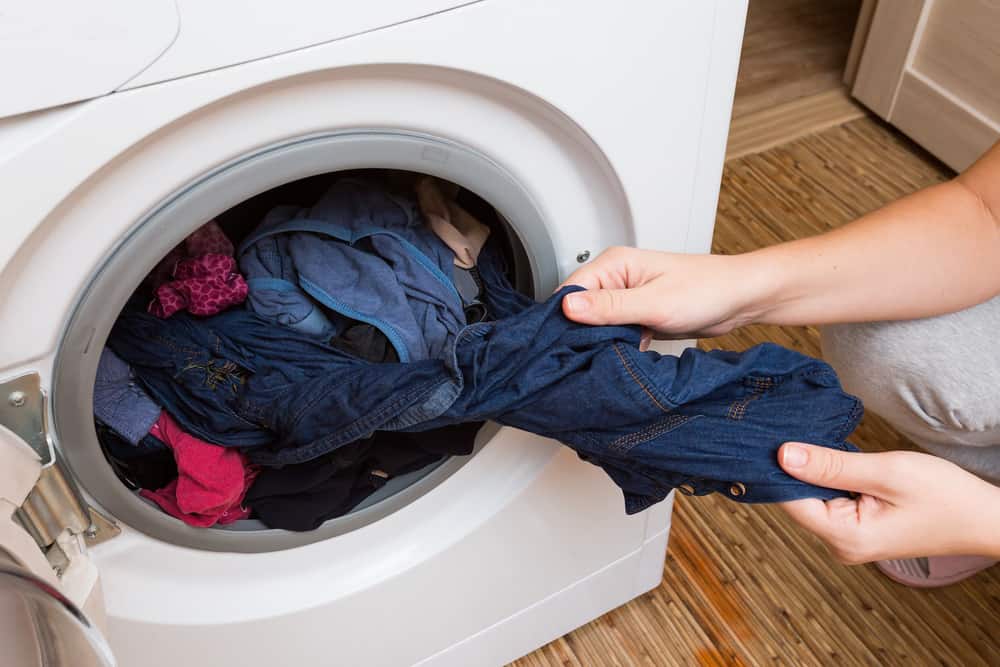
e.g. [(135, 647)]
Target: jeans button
[(686, 489), (737, 489)]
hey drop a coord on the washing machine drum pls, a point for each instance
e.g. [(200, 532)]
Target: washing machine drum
[(299, 273)]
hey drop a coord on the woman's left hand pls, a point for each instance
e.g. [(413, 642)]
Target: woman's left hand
[(909, 504)]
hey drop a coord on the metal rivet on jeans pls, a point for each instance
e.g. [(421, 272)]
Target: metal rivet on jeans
[(583, 256), (737, 489), (686, 489)]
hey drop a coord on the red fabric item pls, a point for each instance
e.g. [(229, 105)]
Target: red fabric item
[(212, 480), (203, 285), (209, 239)]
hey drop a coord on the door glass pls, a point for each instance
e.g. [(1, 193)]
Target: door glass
[(39, 627)]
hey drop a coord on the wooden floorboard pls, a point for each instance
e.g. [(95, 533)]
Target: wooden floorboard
[(742, 585), (792, 49)]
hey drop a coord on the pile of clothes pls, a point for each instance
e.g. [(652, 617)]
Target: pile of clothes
[(372, 333)]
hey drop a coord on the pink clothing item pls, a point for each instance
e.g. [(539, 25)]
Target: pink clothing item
[(166, 499), (211, 483), (204, 285), (935, 571), (209, 239), (461, 232)]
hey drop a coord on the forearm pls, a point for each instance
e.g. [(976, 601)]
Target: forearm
[(990, 530), (932, 252)]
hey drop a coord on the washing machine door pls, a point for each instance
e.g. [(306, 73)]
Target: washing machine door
[(41, 591)]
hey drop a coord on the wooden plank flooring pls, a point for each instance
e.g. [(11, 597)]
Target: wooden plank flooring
[(760, 130), (742, 585), (792, 49)]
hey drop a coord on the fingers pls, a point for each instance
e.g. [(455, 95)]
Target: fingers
[(607, 270), (810, 513), (616, 268), (839, 523), (834, 469), (646, 340), (587, 278), (609, 306)]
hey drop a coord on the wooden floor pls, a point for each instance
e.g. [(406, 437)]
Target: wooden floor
[(742, 585), (792, 49)]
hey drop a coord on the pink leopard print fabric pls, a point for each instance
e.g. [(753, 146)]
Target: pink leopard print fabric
[(209, 239), (203, 285)]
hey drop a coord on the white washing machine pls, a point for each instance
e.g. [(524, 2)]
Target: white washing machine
[(126, 125)]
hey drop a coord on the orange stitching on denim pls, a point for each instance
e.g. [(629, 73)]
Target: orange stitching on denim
[(665, 425), (628, 368), (759, 386)]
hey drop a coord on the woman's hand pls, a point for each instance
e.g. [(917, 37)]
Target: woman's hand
[(910, 504), (673, 295)]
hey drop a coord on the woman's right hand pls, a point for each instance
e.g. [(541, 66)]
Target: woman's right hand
[(672, 295)]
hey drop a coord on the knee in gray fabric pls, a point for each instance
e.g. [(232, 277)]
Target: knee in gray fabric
[(920, 376)]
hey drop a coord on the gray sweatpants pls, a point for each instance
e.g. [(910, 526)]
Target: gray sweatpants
[(936, 380)]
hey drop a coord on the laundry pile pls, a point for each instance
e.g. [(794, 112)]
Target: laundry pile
[(372, 333)]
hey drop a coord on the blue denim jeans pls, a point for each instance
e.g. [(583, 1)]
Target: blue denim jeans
[(702, 421)]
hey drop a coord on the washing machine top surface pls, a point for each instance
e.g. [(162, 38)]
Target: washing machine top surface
[(69, 52), (63, 52)]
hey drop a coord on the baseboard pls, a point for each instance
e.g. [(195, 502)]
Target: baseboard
[(761, 130)]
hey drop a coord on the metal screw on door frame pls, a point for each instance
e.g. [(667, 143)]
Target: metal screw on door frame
[(583, 257), (17, 399)]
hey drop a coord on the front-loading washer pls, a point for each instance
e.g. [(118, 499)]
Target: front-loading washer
[(583, 125)]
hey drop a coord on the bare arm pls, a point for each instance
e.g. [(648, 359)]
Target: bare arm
[(932, 252)]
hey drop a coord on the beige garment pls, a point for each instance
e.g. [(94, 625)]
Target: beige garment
[(455, 226)]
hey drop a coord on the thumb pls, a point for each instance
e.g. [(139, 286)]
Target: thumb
[(834, 469), (607, 306)]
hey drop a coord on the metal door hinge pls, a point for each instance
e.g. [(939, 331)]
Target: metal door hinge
[(52, 507), (55, 505), (22, 410)]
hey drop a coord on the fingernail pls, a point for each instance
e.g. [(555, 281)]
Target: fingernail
[(794, 456), (577, 303)]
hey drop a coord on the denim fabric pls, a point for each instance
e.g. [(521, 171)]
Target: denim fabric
[(364, 254), (501, 300), (119, 402), (706, 421), (236, 379), (710, 421), (274, 283)]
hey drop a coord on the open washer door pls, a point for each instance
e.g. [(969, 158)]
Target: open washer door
[(42, 589)]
